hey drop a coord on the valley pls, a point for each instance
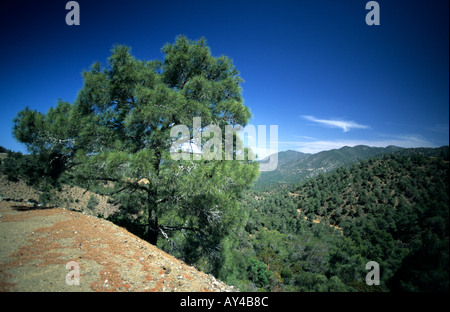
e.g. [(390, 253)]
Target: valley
[(311, 225)]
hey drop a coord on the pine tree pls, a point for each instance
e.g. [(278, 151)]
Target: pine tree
[(119, 131)]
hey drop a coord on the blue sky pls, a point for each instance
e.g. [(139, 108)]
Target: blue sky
[(314, 67)]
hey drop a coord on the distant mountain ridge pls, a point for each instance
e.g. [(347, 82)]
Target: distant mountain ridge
[(294, 167)]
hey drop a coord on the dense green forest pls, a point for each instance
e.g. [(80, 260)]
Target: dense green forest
[(295, 167), (319, 235)]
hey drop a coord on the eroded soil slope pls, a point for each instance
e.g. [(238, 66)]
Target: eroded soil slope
[(37, 243)]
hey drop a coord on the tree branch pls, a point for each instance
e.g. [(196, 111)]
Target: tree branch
[(178, 228), (118, 191)]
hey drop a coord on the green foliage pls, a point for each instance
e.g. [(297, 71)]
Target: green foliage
[(92, 203), (319, 235), (259, 273), (47, 194), (13, 166), (34, 169)]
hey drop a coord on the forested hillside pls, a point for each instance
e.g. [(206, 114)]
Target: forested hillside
[(295, 167), (319, 235)]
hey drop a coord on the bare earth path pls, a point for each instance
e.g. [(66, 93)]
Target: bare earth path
[(36, 245)]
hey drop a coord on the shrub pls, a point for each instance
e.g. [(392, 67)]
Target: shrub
[(92, 203)]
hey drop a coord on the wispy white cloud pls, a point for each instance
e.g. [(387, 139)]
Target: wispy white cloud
[(304, 137), (344, 125), (325, 145), (442, 128)]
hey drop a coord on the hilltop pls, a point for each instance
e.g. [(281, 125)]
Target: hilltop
[(295, 167)]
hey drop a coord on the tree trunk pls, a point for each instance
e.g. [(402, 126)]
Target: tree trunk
[(153, 230)]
